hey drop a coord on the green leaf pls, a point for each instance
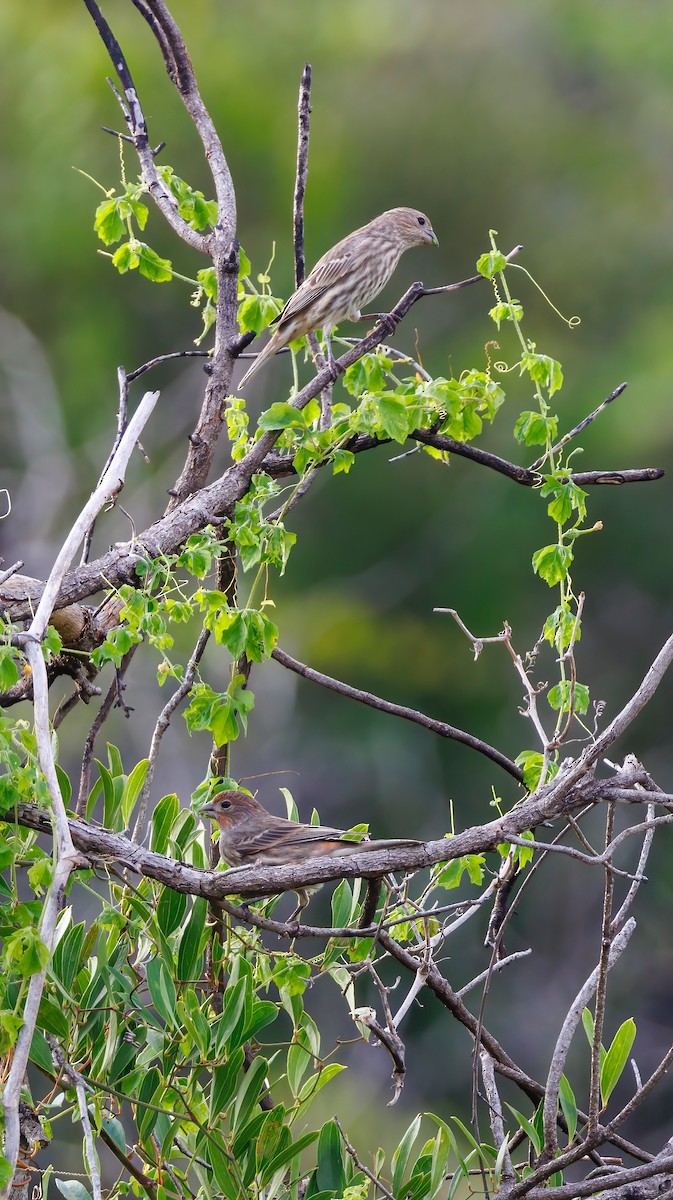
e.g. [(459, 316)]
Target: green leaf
[(559, 626), (163, 819), (108, 222), (52, 1019), (135, 255), (66, 957), (287, 1155), (281, 416), (528, 1129), (342, 904), (150, 1087), (40, 1053), (566, 695), (190, 952), (551, 563), (256, 312), (72, 1189), (394, 417), (6, 1172), (543, 370), (531, 763), (10, 1025), (330, 1174), (224, 1083), (490, 264), (248, 1092), (568, 1107), (616, 1058), (133, 788), (9, 672), (534, 429), (162, 990), (171, 909), (444, 1144), (115, 1131), (401, 1155)]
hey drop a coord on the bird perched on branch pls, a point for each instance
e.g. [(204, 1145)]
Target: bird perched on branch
[(249, 834), (346, 279)]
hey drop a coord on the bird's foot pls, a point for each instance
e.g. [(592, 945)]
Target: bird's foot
[(388, 320)]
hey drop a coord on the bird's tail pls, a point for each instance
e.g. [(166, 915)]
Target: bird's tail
[(379, 844), (267, 352)]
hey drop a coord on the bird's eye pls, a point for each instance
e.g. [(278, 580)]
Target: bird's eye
[(225, 803), (421, 220)]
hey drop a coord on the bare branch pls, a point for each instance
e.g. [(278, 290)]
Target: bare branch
[(303, 115), (601, 983), (565, 1037), (360, 1165), (495, 1111), (161, 726), (579, 428), (135, 120), (66, 858), (398, 710)]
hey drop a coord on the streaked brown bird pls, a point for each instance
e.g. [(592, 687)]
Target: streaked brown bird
[(346, 279), (249, 834)]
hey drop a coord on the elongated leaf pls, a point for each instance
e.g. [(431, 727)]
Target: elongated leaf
[(480, 1151), (233, 1011), (616, 1058), (72, 1189), (330, 1173), (401, 1155), (163, 819), (528, 1128), (133, 788), (248, 1093), (224, 1084), (342, 903), (189, 953), (287, 1155), (65, 962), (568, 1107), (171, 909), (162, 990)]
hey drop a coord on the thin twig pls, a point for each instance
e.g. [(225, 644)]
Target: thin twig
[(161, 726), (111, 699), (495, 1112), (350, 1151), (137, 126), (9, 571), (72, 1078), (66, 857), (398, 710), (162, 358), (620, 916), (579, 428), (602, 982), (498, 965), (303, 114), (505, 637), (566, 1034)]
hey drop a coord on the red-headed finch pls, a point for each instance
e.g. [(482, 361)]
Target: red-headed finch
[(346, 279), (250, 834)]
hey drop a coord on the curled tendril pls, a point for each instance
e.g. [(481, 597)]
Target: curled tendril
[(571, 322)]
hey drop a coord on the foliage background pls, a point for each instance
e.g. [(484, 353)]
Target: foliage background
[(550, 121)]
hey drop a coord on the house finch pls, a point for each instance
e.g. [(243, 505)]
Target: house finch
[(249, 834), (345, 279)]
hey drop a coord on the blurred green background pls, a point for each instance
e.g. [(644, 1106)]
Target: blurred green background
[(550, 121)]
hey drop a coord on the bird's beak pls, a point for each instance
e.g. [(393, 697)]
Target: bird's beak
[(433, 237), (208, 810)]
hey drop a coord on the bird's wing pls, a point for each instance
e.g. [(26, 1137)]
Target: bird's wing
[(331, 268), (281, 833)]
